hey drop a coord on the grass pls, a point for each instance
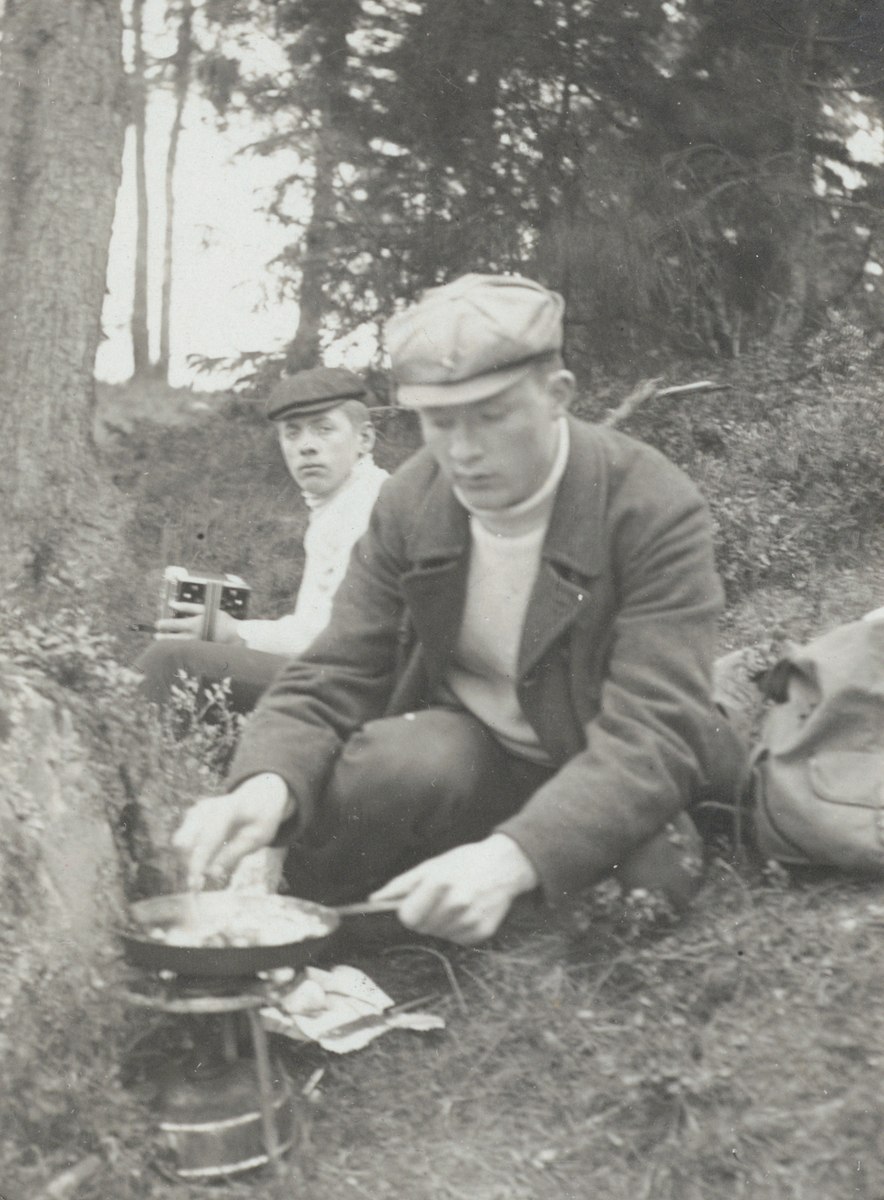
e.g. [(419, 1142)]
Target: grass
[(737, 1055), (587, 1055)]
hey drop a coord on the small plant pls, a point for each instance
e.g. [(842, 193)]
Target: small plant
[(841, 349), (67, 648)]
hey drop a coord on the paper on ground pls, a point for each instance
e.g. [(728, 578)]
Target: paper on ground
[(341, 1009)]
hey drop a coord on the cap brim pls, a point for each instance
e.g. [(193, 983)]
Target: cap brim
[(301, 408), (461, 391)]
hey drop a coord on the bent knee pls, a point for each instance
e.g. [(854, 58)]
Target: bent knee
[(430, 752), (671, 864), (162, 663)]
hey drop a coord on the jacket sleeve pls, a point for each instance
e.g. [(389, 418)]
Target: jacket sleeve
[(343, 680), (657, 741)]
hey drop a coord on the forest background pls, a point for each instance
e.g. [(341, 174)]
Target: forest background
[(703, 182)]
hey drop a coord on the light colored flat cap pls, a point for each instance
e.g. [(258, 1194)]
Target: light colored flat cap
[(471, 339)]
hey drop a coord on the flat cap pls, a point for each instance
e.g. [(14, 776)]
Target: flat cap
[(311, 392), (472, 338)]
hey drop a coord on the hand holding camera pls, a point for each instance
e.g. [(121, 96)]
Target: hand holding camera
[(201, 605), (189, 622)]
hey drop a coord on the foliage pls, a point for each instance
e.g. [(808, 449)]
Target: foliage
[(629, 156), (787, 456), (68, 649), (214, 494)]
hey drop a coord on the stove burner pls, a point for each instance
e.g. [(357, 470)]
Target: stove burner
[(230, 1115)]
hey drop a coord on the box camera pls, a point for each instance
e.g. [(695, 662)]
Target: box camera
[(227, 593)]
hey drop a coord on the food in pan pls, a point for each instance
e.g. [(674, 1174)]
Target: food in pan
[(274, 921)]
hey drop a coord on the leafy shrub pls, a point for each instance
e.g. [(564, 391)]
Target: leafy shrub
[(789, 456), (840, 349), (152, 765), (214, 495), (67, 648)]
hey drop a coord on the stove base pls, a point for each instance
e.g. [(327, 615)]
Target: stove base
[(213, 1122)]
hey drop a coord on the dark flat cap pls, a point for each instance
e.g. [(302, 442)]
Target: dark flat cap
[(311, 392)]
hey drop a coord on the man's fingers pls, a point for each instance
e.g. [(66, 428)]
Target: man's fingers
[(243, 843), (198, 839), (169, 627), (464, 893), (398, 888)]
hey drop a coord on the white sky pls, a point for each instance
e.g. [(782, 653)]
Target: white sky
[(224, 299)]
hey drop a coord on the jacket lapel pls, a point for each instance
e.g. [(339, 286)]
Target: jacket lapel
[(435, 587), (572, 550)]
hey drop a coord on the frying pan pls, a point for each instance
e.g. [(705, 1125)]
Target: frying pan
[(166, 912)]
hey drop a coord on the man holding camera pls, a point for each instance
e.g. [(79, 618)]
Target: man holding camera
[(326, 437), (514, 690)]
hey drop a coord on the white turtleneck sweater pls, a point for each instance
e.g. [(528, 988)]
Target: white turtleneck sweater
[(335, 524), (504, 561)]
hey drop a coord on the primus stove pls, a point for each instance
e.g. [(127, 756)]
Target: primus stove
[(221, 1110)]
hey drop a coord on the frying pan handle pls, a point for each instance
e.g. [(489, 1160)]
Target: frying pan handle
[(365, 907)]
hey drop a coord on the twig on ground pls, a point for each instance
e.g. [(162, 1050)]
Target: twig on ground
[(67, 1182), (449, 971), (648, 390)]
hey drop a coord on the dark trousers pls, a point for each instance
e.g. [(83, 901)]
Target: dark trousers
[(407, 788), (250, 671)]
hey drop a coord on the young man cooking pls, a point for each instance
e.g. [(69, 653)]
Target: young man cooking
[(514, 689), (326, 437)]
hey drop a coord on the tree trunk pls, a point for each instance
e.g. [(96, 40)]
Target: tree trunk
[(62, 96), (802, 244), (181, 67), (302, 352), (330, 44), (138, 89)]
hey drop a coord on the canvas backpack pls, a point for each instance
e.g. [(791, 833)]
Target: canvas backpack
[(817, 776)]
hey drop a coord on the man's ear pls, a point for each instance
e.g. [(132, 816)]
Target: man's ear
[(366, 435), (562, 386)]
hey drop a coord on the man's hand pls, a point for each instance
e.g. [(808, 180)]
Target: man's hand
[(190, 624), (465, 893), (220, 830)]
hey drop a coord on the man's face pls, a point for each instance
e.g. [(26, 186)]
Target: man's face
[(320, 451), (499, 451)]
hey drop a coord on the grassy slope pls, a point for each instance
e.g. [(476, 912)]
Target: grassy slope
[(736, 1056)]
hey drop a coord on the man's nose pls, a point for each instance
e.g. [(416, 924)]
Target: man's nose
[(463, 445)]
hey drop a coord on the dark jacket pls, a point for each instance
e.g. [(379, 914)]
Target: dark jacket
[(614, 666)]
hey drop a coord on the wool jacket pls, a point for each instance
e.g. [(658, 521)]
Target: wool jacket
[(614, 666)]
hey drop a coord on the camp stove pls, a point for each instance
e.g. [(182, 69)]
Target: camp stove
[(227, 1106)]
